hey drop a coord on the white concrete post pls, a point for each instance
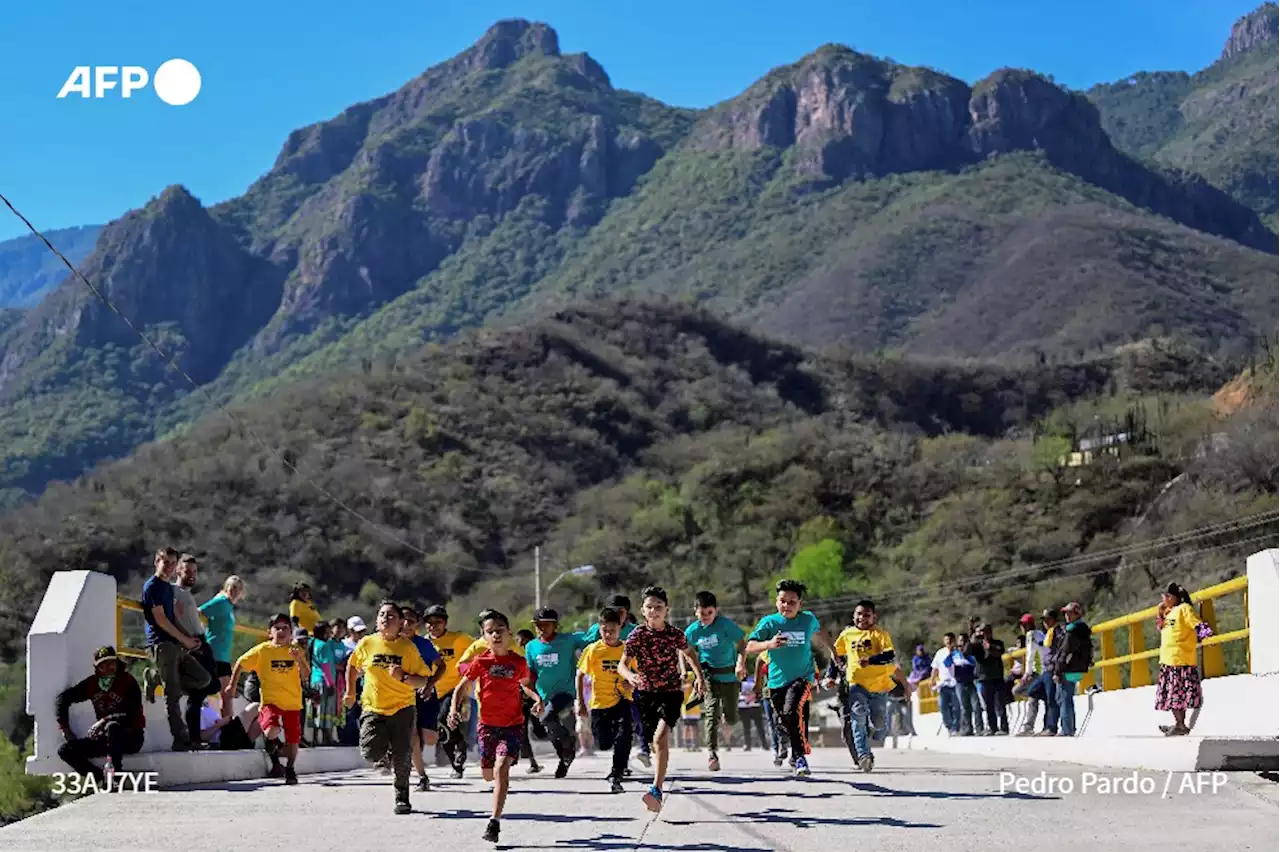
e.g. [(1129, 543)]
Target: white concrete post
[(1264, 626), (76, 617)]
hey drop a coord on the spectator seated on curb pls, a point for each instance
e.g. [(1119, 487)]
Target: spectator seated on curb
[(230, 733), (117, 704)]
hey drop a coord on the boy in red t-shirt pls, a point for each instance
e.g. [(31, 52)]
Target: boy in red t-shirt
[(503, 675)]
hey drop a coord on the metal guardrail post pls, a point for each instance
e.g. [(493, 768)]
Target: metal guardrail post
[(1213, 662), (1139, 670), (1110, 674)]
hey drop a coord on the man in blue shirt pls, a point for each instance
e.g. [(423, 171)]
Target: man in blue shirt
[(169, 650), (789, 637), (553, 662), (720, 645)]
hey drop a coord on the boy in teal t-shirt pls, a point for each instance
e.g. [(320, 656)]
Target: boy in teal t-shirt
[(720, 645), (789, 637), (552, 660)]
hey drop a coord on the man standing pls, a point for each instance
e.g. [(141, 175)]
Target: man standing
[(117, 705), (868, 650), (988, 652), (552, 661), (187, 615), (943, 681), (1073, 657), (721, 648), (789, 636), (1033, 667), (169, 649)]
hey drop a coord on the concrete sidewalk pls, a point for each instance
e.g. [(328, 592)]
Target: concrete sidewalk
[(913, 800)]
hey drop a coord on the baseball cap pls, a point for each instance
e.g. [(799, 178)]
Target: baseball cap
[(299, 634), (106, 652), (356, 623), (436, 611), (1027, 618), (1074, 605), (546, 613)]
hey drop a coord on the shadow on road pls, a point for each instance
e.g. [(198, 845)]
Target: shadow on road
[(619, 842), (787, 816), (878, 790)]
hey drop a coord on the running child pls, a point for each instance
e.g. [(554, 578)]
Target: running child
[(281, 666), (622, 604), (552, 664), (450, 645), (651, 663), (532, 724), (610, 695), (869, 671), (720, 645), (503, 676), (393, 672), (789, 636), (426, 704)]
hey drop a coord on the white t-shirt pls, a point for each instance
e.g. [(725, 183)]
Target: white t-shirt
[(946, 677), (208, 718)]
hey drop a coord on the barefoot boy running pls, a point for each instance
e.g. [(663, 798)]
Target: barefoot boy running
[(651, 663), (503, 675)]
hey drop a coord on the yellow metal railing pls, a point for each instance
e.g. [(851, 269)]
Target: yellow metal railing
[(1108, 662), (123, 604)]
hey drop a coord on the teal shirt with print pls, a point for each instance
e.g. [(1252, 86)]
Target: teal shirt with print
[(793, 661), (554, 663), (717, 645)]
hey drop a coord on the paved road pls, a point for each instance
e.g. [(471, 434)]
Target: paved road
[(913, 800)]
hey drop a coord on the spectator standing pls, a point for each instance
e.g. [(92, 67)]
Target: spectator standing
[(302, 610), (350, 733), (187, 614), (1073, 657), (1178, 685), (169, 650), (220, 612), (943, 681), (988, 653), (1052, 631), (965, 670), (323, 706), (120, 721), (1033, 667)]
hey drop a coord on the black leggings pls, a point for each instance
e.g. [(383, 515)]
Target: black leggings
[(113, 740), (791, 714)]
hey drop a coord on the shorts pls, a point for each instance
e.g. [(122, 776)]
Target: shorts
[(269, 716), (658, 706), (221, 668), (428, 713), (232, 737), (498, 741)]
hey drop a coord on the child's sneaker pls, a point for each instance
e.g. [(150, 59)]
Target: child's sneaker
[(866, 763), (713, 762), (424, 784), (491, 831), (290, 777), (533, 769), (615, 784), (644, 759), (403, 807), (653, 799), (802, 767)]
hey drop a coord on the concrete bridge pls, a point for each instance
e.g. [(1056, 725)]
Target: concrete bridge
[(1117, 782)]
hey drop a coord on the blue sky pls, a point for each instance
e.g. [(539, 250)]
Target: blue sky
[(267, 71)]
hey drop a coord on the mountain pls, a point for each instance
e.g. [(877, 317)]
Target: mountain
[(842, 200), (653, 438), (28, 269), (1220, 122)]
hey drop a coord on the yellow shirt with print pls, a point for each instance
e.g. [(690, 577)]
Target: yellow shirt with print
[(856, 645), (452, 646), (1178, 637), (305, 613), (383, 694), (600, 663), (278, 673)]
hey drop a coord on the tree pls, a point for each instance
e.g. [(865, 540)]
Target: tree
[(821, 568)]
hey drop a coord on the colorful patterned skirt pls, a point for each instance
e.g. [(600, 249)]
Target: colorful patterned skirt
[(1178, 688)]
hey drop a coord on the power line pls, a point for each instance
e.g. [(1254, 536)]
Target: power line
[(171, 362)]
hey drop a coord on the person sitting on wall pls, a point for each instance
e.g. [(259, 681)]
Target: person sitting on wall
[(120, 725)]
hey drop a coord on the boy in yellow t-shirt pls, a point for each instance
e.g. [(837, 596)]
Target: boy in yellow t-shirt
[(281, 666), (393, 671), (452, 646), (868, 651), (610, 710)]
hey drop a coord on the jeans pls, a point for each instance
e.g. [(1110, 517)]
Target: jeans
[(380, 734), (970, 709), (1050, 703), (900, 718), (949, 707), (114, 740), (750, 715), (771, 722), (721, 700), (866, 710), (992, 692), (561, 725), (612, 729), (791, 712), (196, 697), (1065, 693), (179, 672)]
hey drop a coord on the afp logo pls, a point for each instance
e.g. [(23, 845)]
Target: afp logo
[(176, 82)]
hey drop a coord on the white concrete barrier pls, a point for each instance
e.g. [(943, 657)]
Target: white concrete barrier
[(1264, 625)]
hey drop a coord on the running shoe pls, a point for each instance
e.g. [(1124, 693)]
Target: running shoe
[(491, 831), (290, 777), (713, 762), (644, 759), (777, 759), (457, 772), (533, 769), (866, 763), (402, 806), (562, 768), (424, 784), (802, 767), (615, 785), (653, 799)]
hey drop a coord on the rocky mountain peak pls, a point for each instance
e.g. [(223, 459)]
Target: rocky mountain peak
[(507, 42), (1257, 27), (1017, 110)]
